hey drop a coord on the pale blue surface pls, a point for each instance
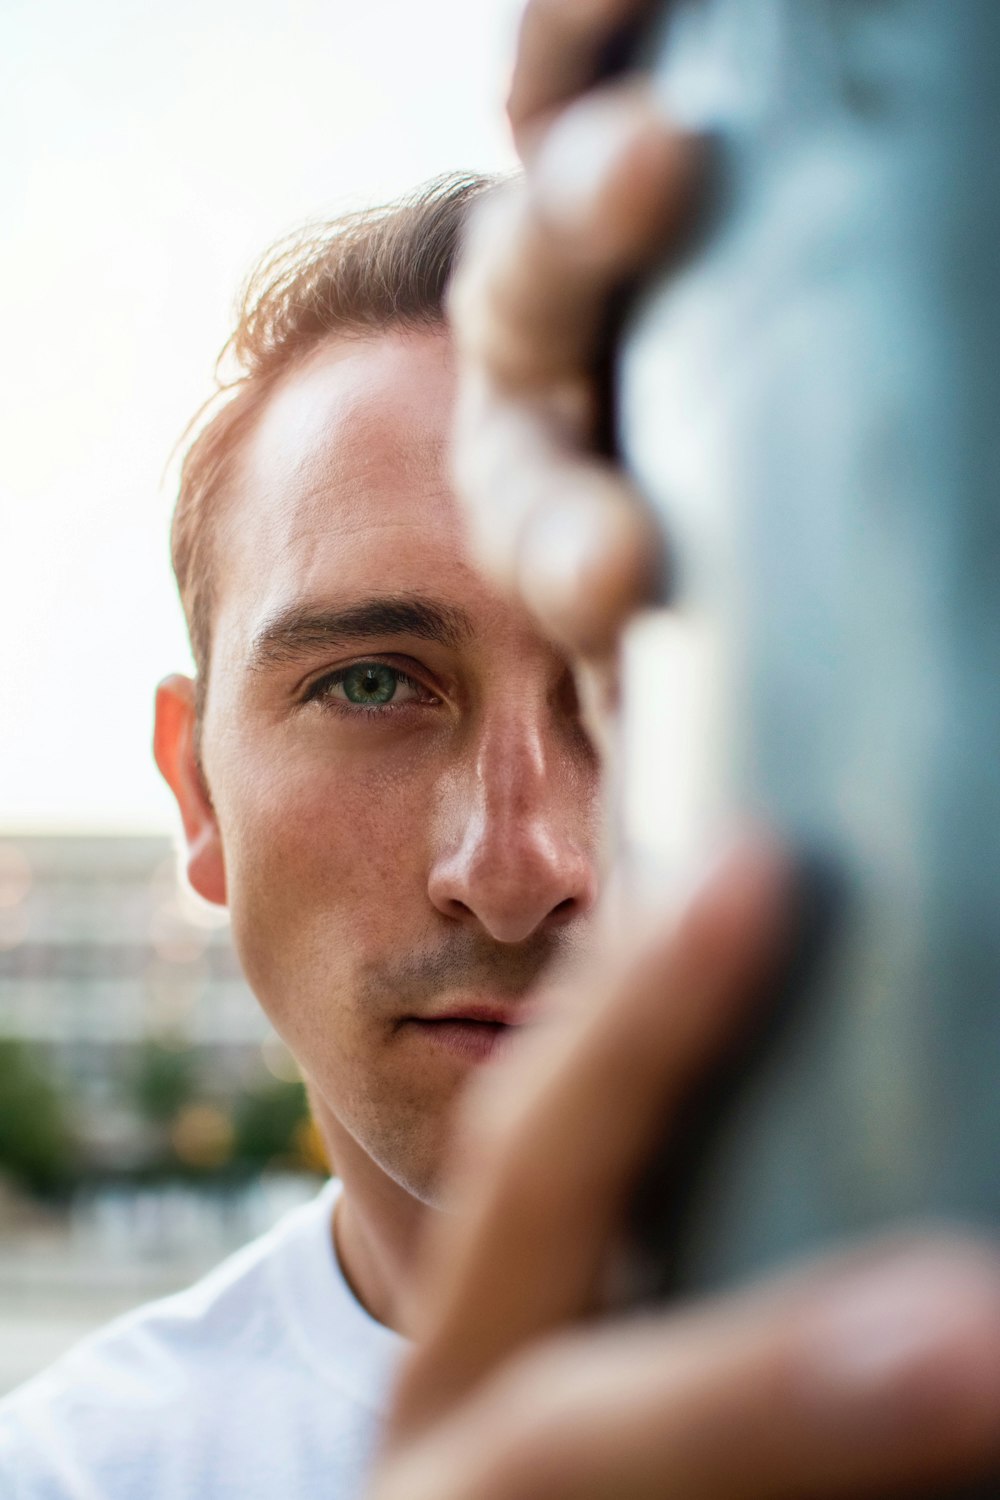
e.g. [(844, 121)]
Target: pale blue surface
[(814, 404)]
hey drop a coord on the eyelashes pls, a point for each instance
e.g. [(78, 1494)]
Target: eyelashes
[(371, 688)]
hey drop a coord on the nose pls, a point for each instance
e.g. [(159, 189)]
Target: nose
[(516, 837)]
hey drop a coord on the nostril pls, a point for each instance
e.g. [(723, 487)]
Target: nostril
[(517, 882)]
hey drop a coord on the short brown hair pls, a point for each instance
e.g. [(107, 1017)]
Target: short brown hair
[(366, 272)]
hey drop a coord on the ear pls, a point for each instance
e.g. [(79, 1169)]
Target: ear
[(175, 749)]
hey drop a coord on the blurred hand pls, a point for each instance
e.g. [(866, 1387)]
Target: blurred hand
[(608, 185), (874, 1371), (862, 1375)]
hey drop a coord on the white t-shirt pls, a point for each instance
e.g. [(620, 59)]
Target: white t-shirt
[(264, 1381)]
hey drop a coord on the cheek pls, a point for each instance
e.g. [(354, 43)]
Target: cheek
[(320, 859)]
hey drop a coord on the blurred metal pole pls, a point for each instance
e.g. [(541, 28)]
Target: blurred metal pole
[(812, 401)]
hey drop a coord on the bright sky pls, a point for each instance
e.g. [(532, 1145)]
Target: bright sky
[(147, 155)]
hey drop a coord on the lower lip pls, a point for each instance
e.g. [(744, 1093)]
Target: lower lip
[(476, 1040)]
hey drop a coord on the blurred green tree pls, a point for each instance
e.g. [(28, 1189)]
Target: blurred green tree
[(37, 1144), (164, 1081), (270, 1124)]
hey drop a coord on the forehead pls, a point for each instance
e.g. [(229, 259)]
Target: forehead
[(343, 485)]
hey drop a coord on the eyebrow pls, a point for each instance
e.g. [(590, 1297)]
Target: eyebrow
[(300, 631)]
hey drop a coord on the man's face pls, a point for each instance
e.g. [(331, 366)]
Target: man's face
[(406, 801)]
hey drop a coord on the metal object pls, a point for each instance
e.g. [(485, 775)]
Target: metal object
[(812, 403)]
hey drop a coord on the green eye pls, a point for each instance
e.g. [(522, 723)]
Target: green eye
[(370, 682), (371, 685)]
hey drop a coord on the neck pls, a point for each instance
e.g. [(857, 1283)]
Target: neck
[(376, 1227)]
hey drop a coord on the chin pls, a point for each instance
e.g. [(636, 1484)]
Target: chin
[(413, 1148), (421, 1173)]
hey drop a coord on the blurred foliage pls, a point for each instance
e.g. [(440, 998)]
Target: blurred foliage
[(164, 1081), (268, 1123), (176, 1119), (37, 1145)]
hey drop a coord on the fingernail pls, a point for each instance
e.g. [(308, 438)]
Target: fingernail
[(562, 543), (884, 1324), (734, 865), (917, 1333), (577, 157)]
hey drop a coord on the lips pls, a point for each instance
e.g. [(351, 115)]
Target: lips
[(475, 1031), (484, 1013)]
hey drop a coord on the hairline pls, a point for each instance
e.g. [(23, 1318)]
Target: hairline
[(352, 279)]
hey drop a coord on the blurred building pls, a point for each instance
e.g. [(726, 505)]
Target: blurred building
[(106, 958), (123, 1015)]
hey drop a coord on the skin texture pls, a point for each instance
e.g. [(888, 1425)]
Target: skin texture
[(379, 863)]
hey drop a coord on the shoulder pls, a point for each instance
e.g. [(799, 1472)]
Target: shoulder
[(150, 1384), (183, 1337)]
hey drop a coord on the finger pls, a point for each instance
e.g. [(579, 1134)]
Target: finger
[(588, 557), (875, 1374), (528, 308), (560, 529), (612, 187), (572, 1137), (560, 48)]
